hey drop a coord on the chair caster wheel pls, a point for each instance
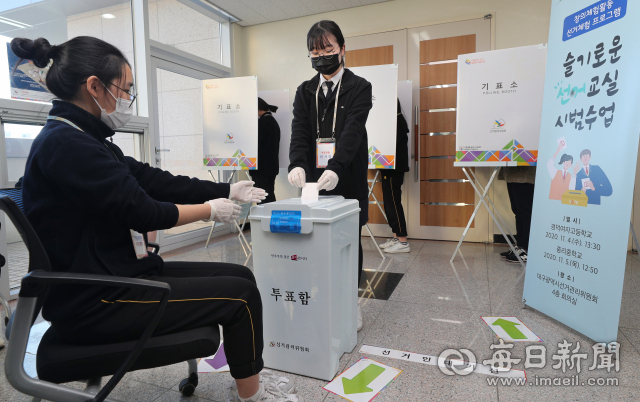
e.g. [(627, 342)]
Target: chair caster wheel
[(188, 385)]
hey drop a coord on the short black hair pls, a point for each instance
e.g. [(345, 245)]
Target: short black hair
[(585, 152), (73, 62), (265, 107), (318, 36), (565, 158)]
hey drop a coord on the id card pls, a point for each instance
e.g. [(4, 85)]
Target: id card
[(324, 152), (138, 244)]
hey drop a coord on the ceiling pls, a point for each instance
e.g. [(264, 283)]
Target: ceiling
[(253, 12), (46, 18)]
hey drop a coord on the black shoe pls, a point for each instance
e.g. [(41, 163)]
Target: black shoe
[(514, 259), (509, 252)]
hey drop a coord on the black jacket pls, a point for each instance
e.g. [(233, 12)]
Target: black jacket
[(82, 195), (268, 146), (402, 143), (351, 158)]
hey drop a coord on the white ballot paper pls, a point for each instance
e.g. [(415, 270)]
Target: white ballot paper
[(563, 142), (310, 193)]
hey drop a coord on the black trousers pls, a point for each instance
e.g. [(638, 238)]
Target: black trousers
[(392, 197), (267, 183), (202, 294), (521, 197)]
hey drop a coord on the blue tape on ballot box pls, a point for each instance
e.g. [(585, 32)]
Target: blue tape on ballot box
[(285, 222)]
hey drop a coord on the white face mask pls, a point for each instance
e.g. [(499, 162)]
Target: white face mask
[(120, 116)]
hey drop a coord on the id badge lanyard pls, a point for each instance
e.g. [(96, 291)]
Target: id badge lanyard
[(139, 244), (326, 147)]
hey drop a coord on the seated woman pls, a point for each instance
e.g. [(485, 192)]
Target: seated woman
[(87, 201)]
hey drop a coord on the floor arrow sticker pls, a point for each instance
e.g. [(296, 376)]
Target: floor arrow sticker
[(363, 381), (214, 364), (511, 329)]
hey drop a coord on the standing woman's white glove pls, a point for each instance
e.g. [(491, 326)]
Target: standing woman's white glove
[(297, 177), (244, 191), (223, 210), (328, 181)]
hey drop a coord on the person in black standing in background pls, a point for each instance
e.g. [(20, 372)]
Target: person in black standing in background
[(330, 112), (268, 148), (392, 180), (520, 185)]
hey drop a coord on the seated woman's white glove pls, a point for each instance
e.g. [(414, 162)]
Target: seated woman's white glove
[(328, 181), (297, 177), (223, 210), (244, 191)]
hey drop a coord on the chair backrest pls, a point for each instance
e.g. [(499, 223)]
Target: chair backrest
[(38, 258), (15, 194)]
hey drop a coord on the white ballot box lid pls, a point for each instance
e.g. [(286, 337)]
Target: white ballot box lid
[(326, 210)]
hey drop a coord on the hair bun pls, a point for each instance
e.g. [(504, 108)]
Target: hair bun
[(39, 51)]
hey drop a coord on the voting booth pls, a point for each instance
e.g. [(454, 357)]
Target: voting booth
[(305, 258)]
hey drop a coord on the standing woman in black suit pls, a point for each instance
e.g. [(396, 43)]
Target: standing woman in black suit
[(268, 147), (328, 134)]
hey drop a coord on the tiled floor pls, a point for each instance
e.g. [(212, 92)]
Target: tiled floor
[(436, 305)]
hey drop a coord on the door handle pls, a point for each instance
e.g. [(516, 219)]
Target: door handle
[(416, 138), (158, 150)]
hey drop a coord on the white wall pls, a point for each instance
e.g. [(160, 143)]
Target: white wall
[(276, 52)]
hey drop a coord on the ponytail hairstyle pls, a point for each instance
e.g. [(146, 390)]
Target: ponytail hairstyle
[(73, 62)]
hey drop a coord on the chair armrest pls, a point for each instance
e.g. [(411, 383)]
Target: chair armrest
[(155, 246), (36, 282)]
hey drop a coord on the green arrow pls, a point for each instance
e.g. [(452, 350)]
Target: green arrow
[(358, 384), (510, 328)]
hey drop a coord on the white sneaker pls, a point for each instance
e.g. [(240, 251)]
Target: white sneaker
[(269, 379), (360, 322), (399, 247), (267, 393), (389, 243)]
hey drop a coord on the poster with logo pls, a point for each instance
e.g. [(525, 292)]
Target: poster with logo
[(588, 151), (499, 107), (280, 98), (381, 124), (26, 80), (230, 115)]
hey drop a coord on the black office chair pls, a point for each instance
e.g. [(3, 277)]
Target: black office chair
[(59, 361), (16, 195)]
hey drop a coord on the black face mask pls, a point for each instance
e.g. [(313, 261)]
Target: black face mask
[(326, 66)]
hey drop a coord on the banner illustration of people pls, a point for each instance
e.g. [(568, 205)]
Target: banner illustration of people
[(585, 178)]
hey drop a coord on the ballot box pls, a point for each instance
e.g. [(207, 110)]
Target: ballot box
[(305, 259), (573, 197)]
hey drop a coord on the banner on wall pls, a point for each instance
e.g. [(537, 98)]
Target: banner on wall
[(280, 98), (405, 96), (499, 107), (588, 151), (230, 117), (381, 123), (27, 82)]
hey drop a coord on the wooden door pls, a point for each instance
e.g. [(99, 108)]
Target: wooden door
[(372, 56), (446, 198)]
